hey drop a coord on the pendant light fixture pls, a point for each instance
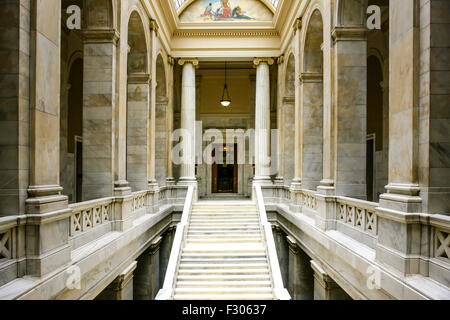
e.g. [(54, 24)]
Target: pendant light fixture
[(226, 101)]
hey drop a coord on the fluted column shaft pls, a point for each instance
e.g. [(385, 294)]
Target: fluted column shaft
[(188, 119), (262, 120)]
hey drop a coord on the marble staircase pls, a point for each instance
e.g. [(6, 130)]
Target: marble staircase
[(224, 255)]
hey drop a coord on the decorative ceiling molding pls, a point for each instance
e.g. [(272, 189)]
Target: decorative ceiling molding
[(226, 33)]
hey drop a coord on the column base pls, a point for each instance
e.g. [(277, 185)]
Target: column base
[(121, 188), (187, 181), (326, 187), (279, 181), (170, 181), (262, 181)]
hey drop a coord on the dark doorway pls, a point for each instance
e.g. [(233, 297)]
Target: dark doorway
[(225, 174)]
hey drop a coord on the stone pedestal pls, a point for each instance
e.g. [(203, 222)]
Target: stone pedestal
[(324, 287), (122, 287)]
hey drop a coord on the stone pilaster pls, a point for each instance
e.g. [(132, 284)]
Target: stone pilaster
[(99, 105), (325, 288), (297, 181), (188, 108), (311, 111), (122, 287), (47, 228), (147, 281), (138, 136), (151, 175), (350, 51), (399, 230), (169, 176), (279, 180), (262, 120), (301, 280)]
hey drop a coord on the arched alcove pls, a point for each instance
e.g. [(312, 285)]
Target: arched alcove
[(312, 103), (138, 101), (161, 142)]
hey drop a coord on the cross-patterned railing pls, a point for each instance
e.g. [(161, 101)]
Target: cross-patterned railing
[(5, 245), (442, 245), (357, 213), (86, 215)]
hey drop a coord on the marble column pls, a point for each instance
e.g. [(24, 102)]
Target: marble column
[(399, 229), (350, 52), (137, 135), (161, 140), (122, 287), (325, 288), (99, 106), (288, 115), (262, 120), (279, 180), (301, 280), (47, 229), (146, 279), (188, 107), (169, 176), (152, 183), (297, 181)]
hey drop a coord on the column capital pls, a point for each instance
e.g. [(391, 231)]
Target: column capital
[(268, 60), (124, 277), (153, 25), (280, 59), (293, 246), (139, 77), (100, 36), (154, 246), (298, 25), (341, 33), (170, 60), (183, 61)]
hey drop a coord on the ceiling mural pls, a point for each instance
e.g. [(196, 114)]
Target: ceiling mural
[(226, 10)]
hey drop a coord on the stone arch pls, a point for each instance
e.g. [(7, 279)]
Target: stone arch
[(313, 40), (138, 102), (137, 45), (289, 84), (312, 100), (161, 135), (351, 12)]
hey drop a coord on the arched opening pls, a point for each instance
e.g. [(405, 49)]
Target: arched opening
[(137, 105), (378, 105), (161, 138), (312, 103), (288, 123), (71, 109)]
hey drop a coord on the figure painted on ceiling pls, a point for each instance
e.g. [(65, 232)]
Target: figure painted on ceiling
[(209, 12), (239, 14), (225, 10)]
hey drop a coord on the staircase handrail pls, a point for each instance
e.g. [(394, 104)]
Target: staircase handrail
[(168, 289), (279, 290)]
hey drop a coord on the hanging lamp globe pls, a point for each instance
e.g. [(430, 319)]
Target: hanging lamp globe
[(226, 101)]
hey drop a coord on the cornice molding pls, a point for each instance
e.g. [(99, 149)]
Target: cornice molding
[(100, 36), (341, 33), (225, 33), (311, 77), (138, 78)]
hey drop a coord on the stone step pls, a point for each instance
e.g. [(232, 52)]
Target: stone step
[(222, 255), (231, 260), (222, 290), (224, 232), (223, 277), (224, 265), (215, 240), (208, 296), (222, 271), (237, 284)]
